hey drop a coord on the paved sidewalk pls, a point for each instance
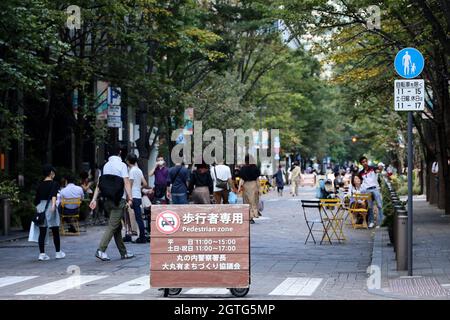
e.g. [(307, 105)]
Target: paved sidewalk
[(431, 257)]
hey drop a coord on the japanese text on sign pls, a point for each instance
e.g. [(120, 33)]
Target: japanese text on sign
[(409, 95)]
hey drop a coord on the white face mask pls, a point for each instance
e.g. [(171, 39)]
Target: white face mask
[(161, 162)]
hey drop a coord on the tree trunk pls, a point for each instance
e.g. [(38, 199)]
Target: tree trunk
[(20, 143)]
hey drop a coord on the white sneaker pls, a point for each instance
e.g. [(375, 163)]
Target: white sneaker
[(371, 225), (377, 227), (60, 255), (102, 255), (43, 257)]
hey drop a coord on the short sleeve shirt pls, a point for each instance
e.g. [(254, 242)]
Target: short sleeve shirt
[(117, 167), (221, 172), (136, 175)]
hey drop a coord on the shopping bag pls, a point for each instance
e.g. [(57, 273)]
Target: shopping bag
[(33, 236), (232, 198), (146, 203)]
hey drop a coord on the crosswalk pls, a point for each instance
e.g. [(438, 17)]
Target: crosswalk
[(104, 285)]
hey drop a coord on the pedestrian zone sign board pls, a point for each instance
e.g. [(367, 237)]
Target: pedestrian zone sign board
[(200, 246), (409, 63), (409, 95)]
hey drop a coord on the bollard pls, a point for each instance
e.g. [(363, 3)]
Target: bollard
[(398, 210), (402, 242), (5, 212)]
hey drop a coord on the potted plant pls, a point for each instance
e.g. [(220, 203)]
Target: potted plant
[(24, 211), (388, 211), (10, 191)]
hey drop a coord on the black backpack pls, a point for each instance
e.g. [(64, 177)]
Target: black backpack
[(111, 187)]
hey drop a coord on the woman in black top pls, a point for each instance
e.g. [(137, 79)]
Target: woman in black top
[(203, 183), (249, 181), (47, 192)]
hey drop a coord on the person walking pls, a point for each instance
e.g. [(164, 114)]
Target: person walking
[(369, 179), (222, 181), (201, 185), (161, 174), (295, 179), (249, 182), (137, 181), (45, 200), (114, 184), (177, 181), (279, 180)]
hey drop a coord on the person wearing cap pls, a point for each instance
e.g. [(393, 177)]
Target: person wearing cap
[(46, 199)]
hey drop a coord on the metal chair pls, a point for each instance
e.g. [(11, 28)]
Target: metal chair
[(334, 211), (360, 208), (312, 213), (70, 213)]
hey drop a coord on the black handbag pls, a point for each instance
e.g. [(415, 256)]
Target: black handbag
[(221, 184), (39, 216)]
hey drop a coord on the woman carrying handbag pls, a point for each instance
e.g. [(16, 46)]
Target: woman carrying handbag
[(45, 201)]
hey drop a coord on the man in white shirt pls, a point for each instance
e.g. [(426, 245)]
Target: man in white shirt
[(370, 184), (71, 191), (137, 181), (221, 172), (114, 167)]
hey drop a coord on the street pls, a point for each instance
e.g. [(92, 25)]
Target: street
[(282, 266)]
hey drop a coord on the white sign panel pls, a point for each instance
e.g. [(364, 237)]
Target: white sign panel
[(114, 122), (114, 111), (409, 95)]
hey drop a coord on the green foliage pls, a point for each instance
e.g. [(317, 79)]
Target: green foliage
[(388, 207), (9, 189)]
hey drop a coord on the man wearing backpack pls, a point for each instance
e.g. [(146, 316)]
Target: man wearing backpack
[(114, 185)]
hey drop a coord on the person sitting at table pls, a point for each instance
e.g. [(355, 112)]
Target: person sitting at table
[(355, 188), (71, 191), (86, 185)]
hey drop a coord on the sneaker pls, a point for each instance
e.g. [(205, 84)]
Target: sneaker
[(43, 257), (127, 255), (102, 255), (371, 225), (127, 238), (252, 221), (377, 227), (141, 240), (60, 255)]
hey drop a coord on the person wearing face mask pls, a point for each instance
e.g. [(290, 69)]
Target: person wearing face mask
[(161, 174)]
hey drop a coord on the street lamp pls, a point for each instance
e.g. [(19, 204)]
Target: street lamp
[(354, 139)]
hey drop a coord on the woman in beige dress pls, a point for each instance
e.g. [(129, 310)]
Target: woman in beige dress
[(249, 182)]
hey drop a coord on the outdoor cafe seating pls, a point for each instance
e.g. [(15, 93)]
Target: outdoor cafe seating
[(70, 217)]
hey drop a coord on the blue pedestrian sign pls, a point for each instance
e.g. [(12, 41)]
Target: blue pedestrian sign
[(409, 63)]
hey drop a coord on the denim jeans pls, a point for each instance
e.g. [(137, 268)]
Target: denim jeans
[(376, 195), (180, 198), (138, 214)]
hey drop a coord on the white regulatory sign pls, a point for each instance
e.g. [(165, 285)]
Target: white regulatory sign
[(409, 95)]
